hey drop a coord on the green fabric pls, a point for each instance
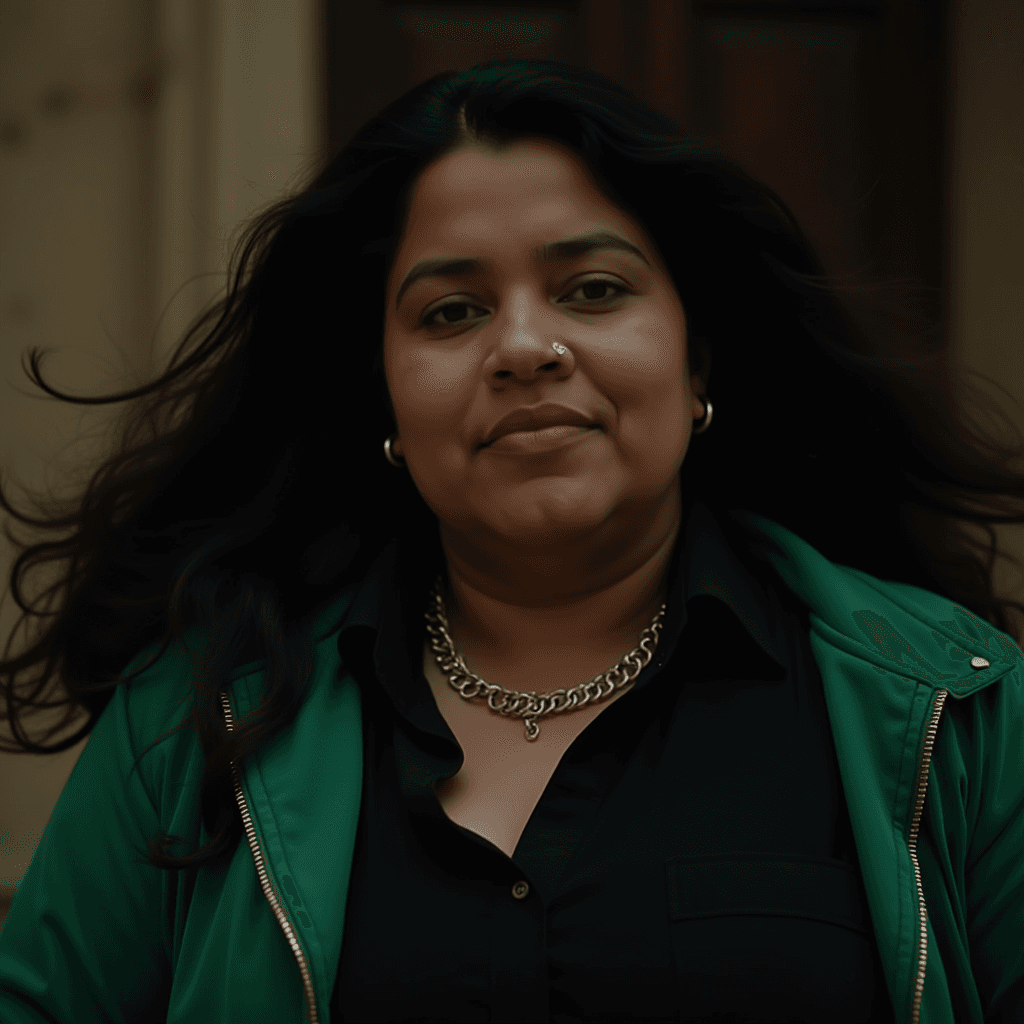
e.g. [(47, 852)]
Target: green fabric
[(94, 935)]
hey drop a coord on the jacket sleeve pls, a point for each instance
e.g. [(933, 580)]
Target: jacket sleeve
[(994, 873), (84, 940)]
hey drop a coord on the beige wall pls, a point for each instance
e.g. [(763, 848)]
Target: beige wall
[(135, 137)]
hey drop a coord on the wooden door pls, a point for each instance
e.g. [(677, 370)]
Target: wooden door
[(839, 105)]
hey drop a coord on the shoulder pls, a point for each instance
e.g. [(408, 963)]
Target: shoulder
[(158, 685)]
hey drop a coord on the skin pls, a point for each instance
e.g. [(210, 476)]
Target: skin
[(557, 562)]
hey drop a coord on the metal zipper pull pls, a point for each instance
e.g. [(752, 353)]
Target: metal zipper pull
[(276, 904)]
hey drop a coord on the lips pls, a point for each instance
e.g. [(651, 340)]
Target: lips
[(537, 417)]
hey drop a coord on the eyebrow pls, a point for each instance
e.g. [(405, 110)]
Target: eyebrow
[(550, 252)]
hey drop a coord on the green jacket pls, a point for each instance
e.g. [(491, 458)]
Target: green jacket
[(925, 701)]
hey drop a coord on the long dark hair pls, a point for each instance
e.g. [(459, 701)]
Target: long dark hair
[(248, 486)]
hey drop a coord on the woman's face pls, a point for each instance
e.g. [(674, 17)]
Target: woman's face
[(469, 343)]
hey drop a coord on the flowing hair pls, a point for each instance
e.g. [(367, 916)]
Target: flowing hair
[(246, 485)]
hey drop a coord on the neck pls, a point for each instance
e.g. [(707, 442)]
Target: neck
[(532, 616)]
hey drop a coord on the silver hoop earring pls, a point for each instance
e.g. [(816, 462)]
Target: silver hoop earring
[(389, 454), (706, 421)]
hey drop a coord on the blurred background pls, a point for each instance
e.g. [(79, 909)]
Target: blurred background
[(137, 135)]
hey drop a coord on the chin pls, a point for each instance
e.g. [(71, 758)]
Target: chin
[(544, 519)]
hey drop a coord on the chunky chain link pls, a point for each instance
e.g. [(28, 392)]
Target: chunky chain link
[(529, 705)]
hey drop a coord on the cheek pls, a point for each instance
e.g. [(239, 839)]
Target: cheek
[(425, 386), (642, 363), (645, 379)]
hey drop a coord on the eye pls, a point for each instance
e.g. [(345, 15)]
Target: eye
[(597, 283), (454, 319)]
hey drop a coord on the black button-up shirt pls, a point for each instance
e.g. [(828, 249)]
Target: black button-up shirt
[(691, 857)]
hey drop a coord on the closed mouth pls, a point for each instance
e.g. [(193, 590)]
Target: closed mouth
[(540, 431)]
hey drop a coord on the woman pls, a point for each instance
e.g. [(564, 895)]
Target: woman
[(552, 710)]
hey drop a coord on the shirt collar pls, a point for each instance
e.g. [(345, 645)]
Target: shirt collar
[(709, 563), (732, 612)]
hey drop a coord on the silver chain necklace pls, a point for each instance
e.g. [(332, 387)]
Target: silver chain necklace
[(529, 705)]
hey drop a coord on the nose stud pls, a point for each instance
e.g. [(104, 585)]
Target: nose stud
[(560, 349)]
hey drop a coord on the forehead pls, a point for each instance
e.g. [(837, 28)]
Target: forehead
[(532, 188)]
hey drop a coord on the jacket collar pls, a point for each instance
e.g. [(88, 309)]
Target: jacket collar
[(896, 627)]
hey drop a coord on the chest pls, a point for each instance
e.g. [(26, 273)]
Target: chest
[(503, 775)]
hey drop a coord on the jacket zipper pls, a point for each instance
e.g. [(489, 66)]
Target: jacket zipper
[(922, 786), (276, 904)]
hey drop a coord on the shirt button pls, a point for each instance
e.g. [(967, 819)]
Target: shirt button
[(520, 890), (979, 663)]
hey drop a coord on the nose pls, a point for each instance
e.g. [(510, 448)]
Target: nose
[(524, 338)]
